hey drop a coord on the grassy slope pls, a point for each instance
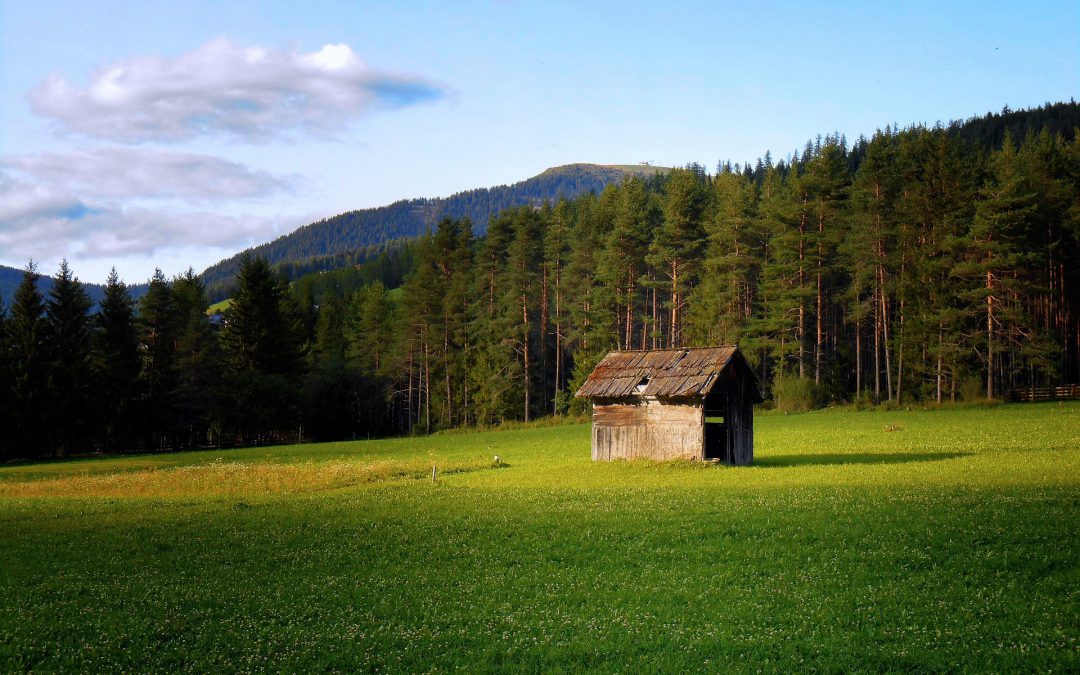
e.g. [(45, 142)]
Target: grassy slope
[(950, 543), (219, 307)]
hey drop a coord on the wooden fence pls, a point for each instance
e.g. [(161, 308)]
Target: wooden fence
[(1062, 392)]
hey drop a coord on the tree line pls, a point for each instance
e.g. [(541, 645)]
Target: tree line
[(151, 375), (911, 266)]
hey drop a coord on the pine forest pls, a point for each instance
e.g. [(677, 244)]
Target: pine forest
[(921, 266)]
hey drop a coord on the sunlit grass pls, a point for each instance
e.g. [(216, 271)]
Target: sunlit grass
[(230, 478), (942, 540)]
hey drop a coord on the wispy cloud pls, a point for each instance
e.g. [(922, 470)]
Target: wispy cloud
[(121, 173), (227, 90), (44, 222)]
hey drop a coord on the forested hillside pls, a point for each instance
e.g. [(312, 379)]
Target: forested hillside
[(913, 267), (322, 244), (10, 278)]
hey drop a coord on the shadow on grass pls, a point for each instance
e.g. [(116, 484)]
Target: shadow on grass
[(855, 458)]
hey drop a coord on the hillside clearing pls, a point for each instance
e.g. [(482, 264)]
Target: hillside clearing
[(858, 541)]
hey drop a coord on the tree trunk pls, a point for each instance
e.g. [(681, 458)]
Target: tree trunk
[(446, 367), (858, 358), (818, 345), (427, 387), (989, 335), (654, 315), (525, 350), (900, 356), (673, 335), (801, 332), (544, 319), (877, 347), (885, 335), (558, 341)]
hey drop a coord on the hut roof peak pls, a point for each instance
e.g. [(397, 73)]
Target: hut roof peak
[(681, 372)]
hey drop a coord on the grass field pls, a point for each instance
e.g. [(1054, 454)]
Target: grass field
[(941, 540), (219, 307)]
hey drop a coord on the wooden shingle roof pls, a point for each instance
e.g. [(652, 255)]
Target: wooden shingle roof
[(672, 373)]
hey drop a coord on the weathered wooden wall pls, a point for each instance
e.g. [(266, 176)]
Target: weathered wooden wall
[(648, 428)]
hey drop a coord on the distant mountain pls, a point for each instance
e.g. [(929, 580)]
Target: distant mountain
[(10, 278), (409, 218)]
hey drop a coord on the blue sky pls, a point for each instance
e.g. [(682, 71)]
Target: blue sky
[(141, 134)]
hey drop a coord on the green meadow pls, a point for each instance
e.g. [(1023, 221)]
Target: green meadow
[(858, 541)]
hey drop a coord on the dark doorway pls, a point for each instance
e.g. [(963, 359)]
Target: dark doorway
[(716, 438)]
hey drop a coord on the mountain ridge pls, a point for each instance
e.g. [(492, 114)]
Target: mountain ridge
[(409, 218)]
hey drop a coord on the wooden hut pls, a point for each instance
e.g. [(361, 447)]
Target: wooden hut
[(673, 403)]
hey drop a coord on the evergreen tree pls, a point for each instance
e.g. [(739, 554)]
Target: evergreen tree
[(368, 328), (263, 355), (158, 334), (453, 244), (369, 336), (67, 321), (420, 313), (622, 261), (994, 259), (556, 258), (782, 289), (29, 363), (520, 285), (723, 303), (117, 364), (197, 361), (330, 387), (869, 251), (590, 305), (675, 249), (825, 186), (492, 367), (6, 378)]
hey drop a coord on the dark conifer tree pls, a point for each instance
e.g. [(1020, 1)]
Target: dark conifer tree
[(29, 363), (263, 354), (520, 285), (420, 314), (67, 319), (723, 303), (995, 261), (491, 370), (6, 377), (369, 337), (675, 250), (622, 261), (197, 362), (158, 329), (330, 388), (825, 184), (556, 257), (117, 364)]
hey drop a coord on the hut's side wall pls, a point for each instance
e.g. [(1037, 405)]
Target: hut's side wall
[(652, 429)]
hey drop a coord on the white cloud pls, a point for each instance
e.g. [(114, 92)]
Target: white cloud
[(117, 173), (223, 89), (42, 222)]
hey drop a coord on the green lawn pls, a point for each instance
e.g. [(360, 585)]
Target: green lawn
[(941, 540)]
